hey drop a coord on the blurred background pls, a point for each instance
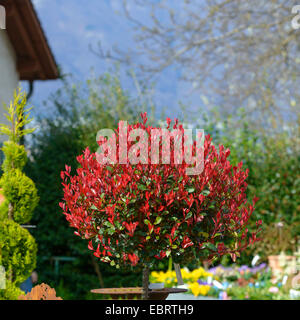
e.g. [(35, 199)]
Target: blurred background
[(230, 67)]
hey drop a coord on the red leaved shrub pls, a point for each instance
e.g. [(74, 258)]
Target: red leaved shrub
[(140, 213)]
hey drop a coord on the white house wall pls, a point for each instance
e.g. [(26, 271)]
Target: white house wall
[(9, 77)]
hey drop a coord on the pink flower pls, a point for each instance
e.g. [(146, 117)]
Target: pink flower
[(273, 289)]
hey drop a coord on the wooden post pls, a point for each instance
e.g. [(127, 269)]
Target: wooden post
[(178, 274), (97, 270), (145, 293)]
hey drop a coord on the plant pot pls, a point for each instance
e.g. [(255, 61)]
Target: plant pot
[(275, 263), (153, 286), (294, 294)]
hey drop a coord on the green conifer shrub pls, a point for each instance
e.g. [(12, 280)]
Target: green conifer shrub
[(15, 156), (11, 292), (18, 248), (20, 191), (18, 251)]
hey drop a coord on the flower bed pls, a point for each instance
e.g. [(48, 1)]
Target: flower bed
[(235, 282), (196, 280)]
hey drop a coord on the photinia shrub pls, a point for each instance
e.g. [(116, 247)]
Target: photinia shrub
[(141, 213)]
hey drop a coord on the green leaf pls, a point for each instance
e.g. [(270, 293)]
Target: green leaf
[(142, 187), (217, 235), (108, 224), (204, 234), (158, 220), (111, 231), (205, 192), (189, 215), (210, 246), (93, 207)]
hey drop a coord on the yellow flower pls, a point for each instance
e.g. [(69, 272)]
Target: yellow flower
[(154, 274), (189, 277), (185, 274), (198, 289), (195, 288), (204, 289), (167, 277)]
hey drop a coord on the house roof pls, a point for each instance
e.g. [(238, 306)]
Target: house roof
[(35, 60)]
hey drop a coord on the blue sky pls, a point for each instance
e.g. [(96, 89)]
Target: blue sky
[(72, 25)]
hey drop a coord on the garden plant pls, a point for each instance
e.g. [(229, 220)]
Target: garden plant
[(17, 247), (137, 214)]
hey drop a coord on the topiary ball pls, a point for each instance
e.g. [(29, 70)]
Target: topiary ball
[(19, 190), (11, 292), (17, 251), (15, 156)]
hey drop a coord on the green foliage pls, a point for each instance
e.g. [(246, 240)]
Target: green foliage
[(19, 190), (277, 238), (76, 280), (11, 292), (17, 251), (15, 156), (252, 293), (17, 247), (17, 117), (273, 160)]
